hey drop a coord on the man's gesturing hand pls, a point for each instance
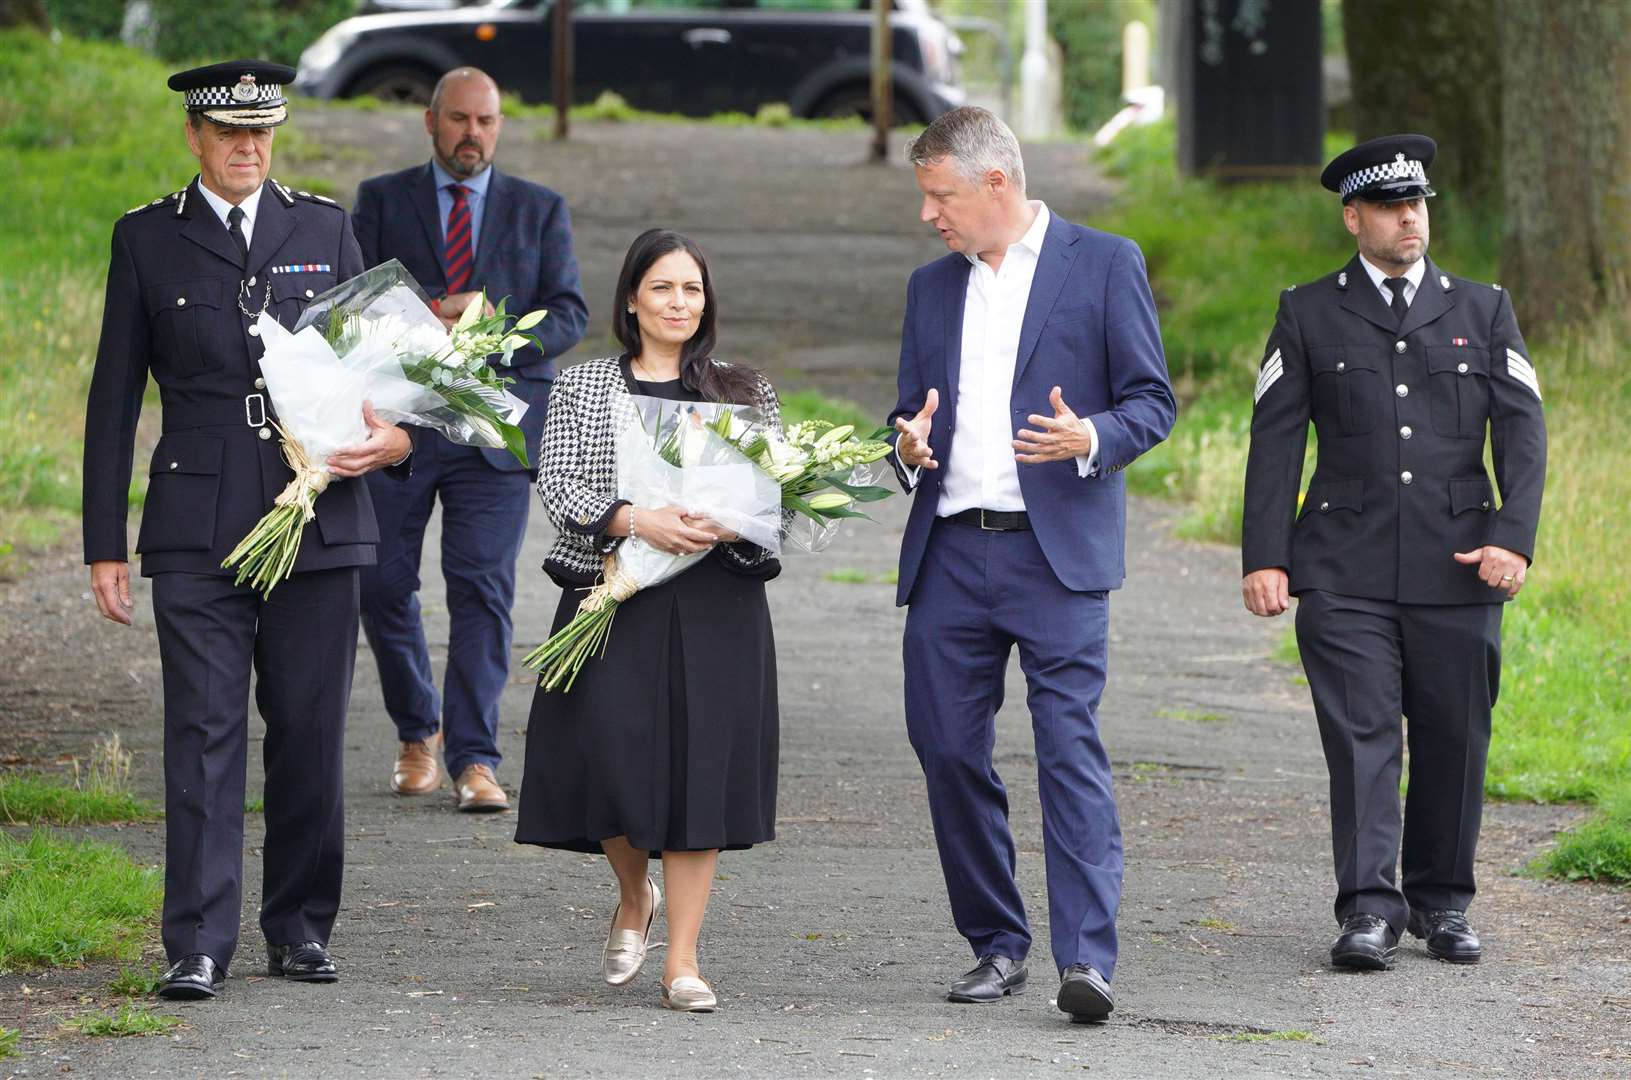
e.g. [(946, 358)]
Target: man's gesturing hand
[(386, 444), (913, 445), (1267, 592), (1062, 436), (110, 586), (1497, 567)]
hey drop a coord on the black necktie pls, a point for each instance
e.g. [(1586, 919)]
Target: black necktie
[(1400, 304), (235, 226)]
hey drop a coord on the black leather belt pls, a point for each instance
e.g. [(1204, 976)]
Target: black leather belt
[(249, 410), (994, 520)]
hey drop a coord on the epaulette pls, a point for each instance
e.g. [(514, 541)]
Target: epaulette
[(290, 196), (283, 193), (161, 200)]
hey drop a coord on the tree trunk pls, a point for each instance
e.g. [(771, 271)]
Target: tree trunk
[(1433, 69), (1566, 103), (24, 13)]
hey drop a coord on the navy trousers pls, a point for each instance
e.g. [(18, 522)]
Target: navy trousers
[(1369, 662), (484, 516), (302, 646), (977, 595)]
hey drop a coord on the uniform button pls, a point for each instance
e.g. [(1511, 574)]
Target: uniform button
[(260, 384), (175, 464), (1405, 432), (181, 301), (1399, 346), (254, 330), (1405, 477), (1484, 504), (1461, 368), (251, 282), (1402, 390), (309, 294), (1342, 365), (266, 433), (1325, 506)]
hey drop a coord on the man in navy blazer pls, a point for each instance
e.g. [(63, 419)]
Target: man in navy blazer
[(460, 226), (1031, 374)]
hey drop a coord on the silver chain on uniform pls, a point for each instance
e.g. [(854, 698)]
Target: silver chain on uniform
[(243, 292)]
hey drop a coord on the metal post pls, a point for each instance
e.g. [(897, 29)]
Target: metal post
[(883, 105), (561, 66), (1033, 71)]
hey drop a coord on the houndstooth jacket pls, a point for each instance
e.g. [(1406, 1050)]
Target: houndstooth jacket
[(577, 475)]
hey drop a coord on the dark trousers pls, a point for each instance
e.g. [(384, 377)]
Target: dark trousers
[(1369, 662), (302, 645), (978, 595), (484, 516)]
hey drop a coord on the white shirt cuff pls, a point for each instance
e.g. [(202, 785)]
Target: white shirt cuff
[(914, 473), (1088, 465)]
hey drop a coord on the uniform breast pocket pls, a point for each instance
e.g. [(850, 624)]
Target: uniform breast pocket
[(1346, 384), (292, 292), (176, 311), (183, 487), (1458, 381)]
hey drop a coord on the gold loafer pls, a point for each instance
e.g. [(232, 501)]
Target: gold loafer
[(687, 993), (625, 951)]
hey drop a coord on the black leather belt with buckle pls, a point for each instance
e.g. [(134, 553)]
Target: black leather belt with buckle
[(994, 520)]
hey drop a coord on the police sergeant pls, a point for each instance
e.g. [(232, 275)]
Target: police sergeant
[(190, 272), (1400, 555)]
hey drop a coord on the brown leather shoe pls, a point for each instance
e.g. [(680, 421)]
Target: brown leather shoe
[(418, 768), (479, 792)]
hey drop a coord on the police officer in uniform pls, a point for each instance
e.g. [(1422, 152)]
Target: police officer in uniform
[(189, 274), (1400, 555)]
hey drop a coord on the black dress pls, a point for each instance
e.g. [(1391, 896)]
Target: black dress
[(669, 737)]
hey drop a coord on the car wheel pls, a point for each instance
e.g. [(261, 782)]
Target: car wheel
[(857, 101), (399, 84)]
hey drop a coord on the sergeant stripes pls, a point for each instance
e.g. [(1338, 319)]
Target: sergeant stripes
[(1523, 371), (1273, 368)]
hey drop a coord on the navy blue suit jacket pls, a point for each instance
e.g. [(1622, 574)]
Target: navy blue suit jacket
[(1090, 329), (524, 255)]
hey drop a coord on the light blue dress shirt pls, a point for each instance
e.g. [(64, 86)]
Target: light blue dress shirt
[(477, 198)]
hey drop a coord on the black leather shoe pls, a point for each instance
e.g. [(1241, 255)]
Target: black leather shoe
[(1085, 995), (304, 961), (1367, 942), (194, 977), (1448, 935), (992, 979)]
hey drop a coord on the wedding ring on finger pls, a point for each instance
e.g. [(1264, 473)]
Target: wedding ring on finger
[(1507, 580)]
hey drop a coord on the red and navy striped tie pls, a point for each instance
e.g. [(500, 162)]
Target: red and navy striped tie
[(460, 256)]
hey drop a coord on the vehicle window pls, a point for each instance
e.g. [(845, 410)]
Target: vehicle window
[(626, 7)]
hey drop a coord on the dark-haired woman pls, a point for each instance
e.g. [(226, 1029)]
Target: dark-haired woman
[(667, 743)]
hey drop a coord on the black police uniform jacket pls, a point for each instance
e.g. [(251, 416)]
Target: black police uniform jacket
[(173, 309), (1400, 412)]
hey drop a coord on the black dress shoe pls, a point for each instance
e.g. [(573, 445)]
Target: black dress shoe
[(304, 961), (192, 978), (1085, 995), (1367, 942), (993, 978), (1449, 936)]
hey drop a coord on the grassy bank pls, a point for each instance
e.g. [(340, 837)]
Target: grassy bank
[(64, 902), (1218, 258)]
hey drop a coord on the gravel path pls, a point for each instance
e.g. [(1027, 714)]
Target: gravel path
[(466, 955)]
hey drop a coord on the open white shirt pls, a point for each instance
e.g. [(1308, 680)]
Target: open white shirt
[(983, 473), (249, 206), (1412, 278)]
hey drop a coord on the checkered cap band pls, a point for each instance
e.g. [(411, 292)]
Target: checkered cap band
[(1399, 169), (213, 97)]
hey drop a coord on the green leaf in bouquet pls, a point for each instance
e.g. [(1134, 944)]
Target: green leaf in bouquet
[(515, 441), (860, 493)]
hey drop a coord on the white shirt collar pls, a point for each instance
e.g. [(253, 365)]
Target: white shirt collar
[(249, 206), (1412, 275), (1032, 240)]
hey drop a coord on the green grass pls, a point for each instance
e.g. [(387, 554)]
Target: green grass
[(1219, 925), (9, 1038), (1286, 650), (136, 982), (1192, 716), (1271, 1036), (1599, 850), (1218, 257), (848, 577), (126, 1020), (35, 800), (255, 806), (799, 405), (64, 902)]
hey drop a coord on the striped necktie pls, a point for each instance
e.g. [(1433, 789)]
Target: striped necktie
[(460, 254)]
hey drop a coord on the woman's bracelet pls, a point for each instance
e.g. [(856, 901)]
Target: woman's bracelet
[(631, 521)]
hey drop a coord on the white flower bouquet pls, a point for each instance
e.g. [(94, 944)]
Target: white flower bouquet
[(373, 339), (725, 462)]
